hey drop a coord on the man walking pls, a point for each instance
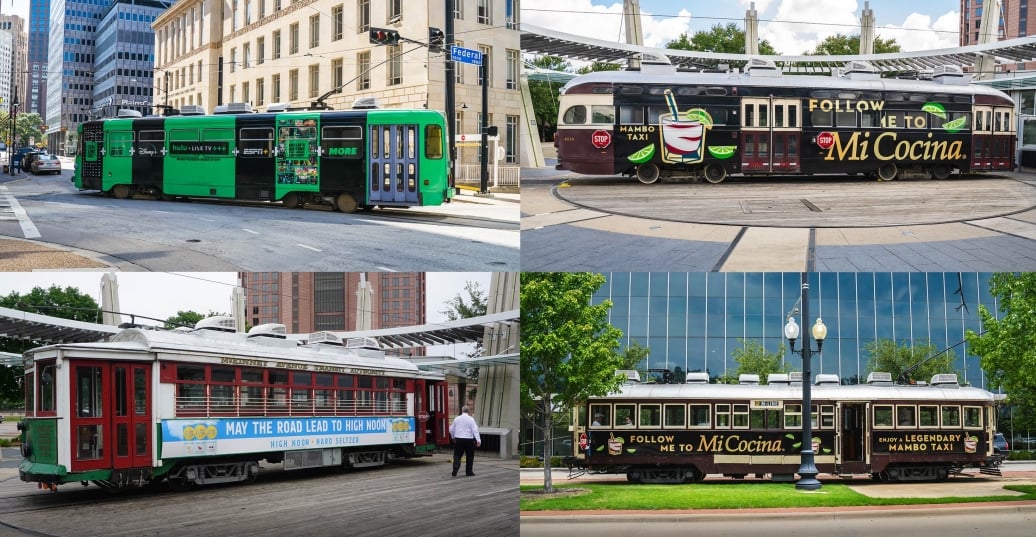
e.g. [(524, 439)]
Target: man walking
[(464, 432)]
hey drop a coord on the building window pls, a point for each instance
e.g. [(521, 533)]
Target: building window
[(276, 44), (233, 93), (248, 55), (337, 22), (363, 16), (314, 31), (485, 12), (512, 69), (260, 91), (336, 73), (314, 81), (395, 67), (486, 53), (262, 9), (293, 39), (260, 50), (511, 141), (244, 92), (395, 11), (275, 88), (293, 85), (363, 73), (233, 60), (458, 9)]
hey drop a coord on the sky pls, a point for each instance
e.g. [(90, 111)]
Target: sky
[(162, 295), (793, 27)]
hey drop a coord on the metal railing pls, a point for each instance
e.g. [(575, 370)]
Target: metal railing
[(471, 174)]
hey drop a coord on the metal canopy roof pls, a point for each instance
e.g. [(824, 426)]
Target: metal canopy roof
[(538, 40), (458, 365), (45, 329), (444, 333)]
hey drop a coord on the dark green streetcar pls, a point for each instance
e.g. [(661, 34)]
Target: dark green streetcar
[(353, 159)]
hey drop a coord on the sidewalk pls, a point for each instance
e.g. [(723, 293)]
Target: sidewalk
[(20, 255)]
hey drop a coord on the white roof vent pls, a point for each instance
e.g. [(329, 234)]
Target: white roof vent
[(746, 378), (761, 67), (363, 343), (217, 324), (795, 378), (879, 378), (777, 378), (126, 112), (697, 377), (277, 107), (631, 375), (326, 338), (828, 379), (233, 108), (365, 103), (861, 70), (945, 380), (950, 75), (192, 110), (274, 330)]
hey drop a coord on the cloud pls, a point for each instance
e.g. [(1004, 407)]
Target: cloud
[(918, 32), (581, 17)]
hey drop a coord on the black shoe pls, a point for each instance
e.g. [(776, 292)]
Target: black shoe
[(470, 475), (454, 473)]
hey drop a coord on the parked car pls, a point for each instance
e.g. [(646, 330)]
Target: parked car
[(27, 158), (43, 163), (1000, 445)]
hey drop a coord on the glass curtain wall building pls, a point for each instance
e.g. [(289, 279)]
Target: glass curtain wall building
[(695, 321)]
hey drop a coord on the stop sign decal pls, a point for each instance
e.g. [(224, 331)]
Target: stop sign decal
[(825, 140), (582, 441), (601, 139)]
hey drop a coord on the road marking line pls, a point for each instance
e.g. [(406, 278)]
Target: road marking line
[(386, 269), (28, 228), (246, 230), (308, 247)]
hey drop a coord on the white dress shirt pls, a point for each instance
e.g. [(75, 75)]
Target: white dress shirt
[(464, 426)]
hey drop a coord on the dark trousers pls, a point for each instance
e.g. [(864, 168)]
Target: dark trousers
[(466, 447)]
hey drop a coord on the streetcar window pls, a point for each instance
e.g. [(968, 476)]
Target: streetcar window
[(345, 402), (962, 99), (906, 416), (90, 442), (256, 143), (766, 419), (950, 116), (575, 115), (631, 90), (183, 135), (411, 141), (827, 417), (151, 143), (845, 119), (601, 415), (29, 385), (972, 417), (920, 98), (223, 374), (793, 115), (119, 144), (47, 393), (120, 391), (723, 416), (631, 115), (688, 90), (218, 135), (928, 416), (882, 416), (365, 382), (603, 114), (700, 416), (895, 97), (950, 416), (89, 392), (870, 119), (793, 416), (675, 416), (342, 132), (820, 118), (624, 415), (719, 115), (654, 112), (433, 142), (252, 375), (821, 94), (650, 415)]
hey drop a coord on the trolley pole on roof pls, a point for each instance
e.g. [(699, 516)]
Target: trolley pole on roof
[(807, 468)]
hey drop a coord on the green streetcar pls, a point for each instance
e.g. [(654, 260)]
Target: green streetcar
[(353, 159)]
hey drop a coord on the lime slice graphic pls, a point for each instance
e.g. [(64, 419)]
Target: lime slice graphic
[(643, 155), (631, 450), (934, 109), (699, 114), (722, 151), (955, 125)]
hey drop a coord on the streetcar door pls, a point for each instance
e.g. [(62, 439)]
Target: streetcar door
[(852, 435), (982, 139), (394, 164), (420, 414), (89, 416), (131, 415), (771, 132), (89, 168)]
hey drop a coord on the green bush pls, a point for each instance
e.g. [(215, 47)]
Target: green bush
[(529, 462), (1022, 455)]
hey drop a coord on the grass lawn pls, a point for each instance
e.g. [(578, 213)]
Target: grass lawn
[(621, 496)]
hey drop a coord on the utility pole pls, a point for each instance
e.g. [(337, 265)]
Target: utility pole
[(484, 167), (451, 94)]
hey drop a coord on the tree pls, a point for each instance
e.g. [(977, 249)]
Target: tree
[(848, 45), (633, 354), (544, 95), (567, 347), (598, 66), (476, 305), (1008, 345), (727, 39), (66, 303), (186, 318), (753, 359), (28, 129), (920, 361)]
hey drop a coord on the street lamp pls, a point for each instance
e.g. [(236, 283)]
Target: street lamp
[(807, 467)]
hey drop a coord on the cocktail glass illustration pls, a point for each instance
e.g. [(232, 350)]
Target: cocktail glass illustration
[(681, 137)]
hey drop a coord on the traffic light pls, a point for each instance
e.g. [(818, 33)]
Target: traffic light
[(436, 39), (381, 36), (492, 130)]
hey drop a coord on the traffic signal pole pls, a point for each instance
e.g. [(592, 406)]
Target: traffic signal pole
[(484, 168), (451, 94)]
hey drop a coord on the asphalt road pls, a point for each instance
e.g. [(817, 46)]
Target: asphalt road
[(470, 234)]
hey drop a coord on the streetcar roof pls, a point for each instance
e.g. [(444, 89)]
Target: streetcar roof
[(674, 78), (788, 392), (216, 347)]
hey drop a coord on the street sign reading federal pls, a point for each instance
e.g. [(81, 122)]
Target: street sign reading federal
[(466, 55)]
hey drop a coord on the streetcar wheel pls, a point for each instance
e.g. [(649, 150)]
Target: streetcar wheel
[(179, 484), (648, 173), (292, 200), (887, 172), (346, 203), (121, 191), (941, 171), (715, 173)]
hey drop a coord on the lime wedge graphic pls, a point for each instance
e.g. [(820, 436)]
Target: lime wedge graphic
[(934, 109), (955, 125), (699, 114), (631, 450), (643, 155), (722, 151)]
